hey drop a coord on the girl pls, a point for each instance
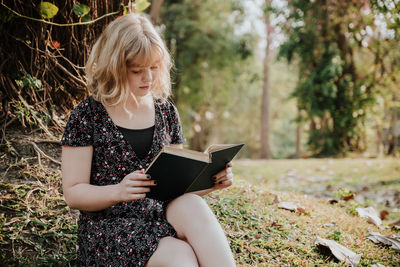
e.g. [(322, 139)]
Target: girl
[(110, 138)]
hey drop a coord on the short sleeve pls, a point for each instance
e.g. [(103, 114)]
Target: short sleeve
[(79, 129), (175, 126)]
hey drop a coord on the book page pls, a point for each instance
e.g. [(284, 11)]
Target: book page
[(216, 147)]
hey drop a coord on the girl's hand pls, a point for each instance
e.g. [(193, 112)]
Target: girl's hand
[(224, 178), (134, 186)]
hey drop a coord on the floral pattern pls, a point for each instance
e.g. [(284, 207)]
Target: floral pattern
[(126, 234)]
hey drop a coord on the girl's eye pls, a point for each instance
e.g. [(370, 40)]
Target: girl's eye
[(154, 67), (136, 71)]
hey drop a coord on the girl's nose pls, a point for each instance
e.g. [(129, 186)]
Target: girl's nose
[(147, 76)]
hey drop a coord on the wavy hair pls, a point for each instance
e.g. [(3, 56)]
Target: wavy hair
[(130, 39)]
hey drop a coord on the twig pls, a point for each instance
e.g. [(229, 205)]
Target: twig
[(43, 154), (46, 141), (39, 159), (9, 122), (58, 24)]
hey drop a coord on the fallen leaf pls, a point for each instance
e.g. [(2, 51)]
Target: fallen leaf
[(378, 265), (288, 205), (371, 215), (340, 252), (332, 201), (395, 222), (383, 214), (330, 224), (365, 189), (276, 199), (393, 242)]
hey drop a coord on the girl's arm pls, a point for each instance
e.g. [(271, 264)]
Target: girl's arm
[(80, 194)]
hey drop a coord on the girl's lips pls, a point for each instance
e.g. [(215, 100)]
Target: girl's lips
[(144, 87)]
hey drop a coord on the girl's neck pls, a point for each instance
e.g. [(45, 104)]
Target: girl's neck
[(135, 102)]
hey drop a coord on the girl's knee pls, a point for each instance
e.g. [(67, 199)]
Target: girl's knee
[(173, 252), (190, 208)]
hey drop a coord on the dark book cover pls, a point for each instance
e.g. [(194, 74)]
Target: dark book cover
[(219, 159), (177, 174), (173, 174)]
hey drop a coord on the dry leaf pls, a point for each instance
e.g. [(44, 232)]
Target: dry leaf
[(291, 206), (330, 224), (332, 201), (340, 252), (371, 214), (276, 199), (394, 241), (395, 222), (383, 214)]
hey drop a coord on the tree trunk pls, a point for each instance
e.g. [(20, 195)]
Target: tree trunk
[(155, 11), (265, 106), (298, 137), (393, 127)]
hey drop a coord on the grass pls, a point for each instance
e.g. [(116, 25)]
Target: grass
[(37, 228), (374, 182)]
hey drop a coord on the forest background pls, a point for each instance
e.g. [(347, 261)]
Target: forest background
[(315, 80), (288, 78)]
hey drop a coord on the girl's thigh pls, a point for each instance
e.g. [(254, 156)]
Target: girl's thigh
[(173, 252)]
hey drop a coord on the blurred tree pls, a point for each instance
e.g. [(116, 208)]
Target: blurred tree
[(385, 48), (331, 91), (265, 105), (202, 39)]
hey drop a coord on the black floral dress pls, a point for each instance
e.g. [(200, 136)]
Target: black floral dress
[(128, 233)]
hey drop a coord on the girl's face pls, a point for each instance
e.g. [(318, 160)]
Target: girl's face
[(141, 78)]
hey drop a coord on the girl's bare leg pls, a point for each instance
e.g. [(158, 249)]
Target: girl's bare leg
[(195, 223), (172, 252)]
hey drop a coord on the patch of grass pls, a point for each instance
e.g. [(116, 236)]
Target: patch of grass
[(36, 226), (261, 234), (373, 182), (38, 229)]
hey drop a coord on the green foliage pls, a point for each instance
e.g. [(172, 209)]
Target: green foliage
[(207, 53), (344, 194), (28, 80), (335, 235), (141, 5), (329, 91), (81, 10), (48, 10)]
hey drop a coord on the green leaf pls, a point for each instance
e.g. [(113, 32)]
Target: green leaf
[(48, 10), (141, 5), (86, 18), (81, 9)]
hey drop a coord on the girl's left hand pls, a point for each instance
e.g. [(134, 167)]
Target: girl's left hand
[(224, 178)]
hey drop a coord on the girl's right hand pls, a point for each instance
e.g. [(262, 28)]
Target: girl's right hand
[(134, 186)]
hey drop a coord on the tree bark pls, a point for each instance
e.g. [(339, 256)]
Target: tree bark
[(298, 138), (393, 123), (265, 106), (155, 11)]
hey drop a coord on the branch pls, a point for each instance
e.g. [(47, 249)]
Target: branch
[(39, 151), (58, 24)]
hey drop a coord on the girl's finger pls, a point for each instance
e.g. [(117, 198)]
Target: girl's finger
[(138, 190), (138, 196), (139, 183), (228, 176), (138, 176)]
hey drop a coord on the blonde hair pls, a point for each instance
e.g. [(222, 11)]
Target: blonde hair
[(130, 39)]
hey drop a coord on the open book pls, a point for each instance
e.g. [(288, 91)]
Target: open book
[(178, 171)]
